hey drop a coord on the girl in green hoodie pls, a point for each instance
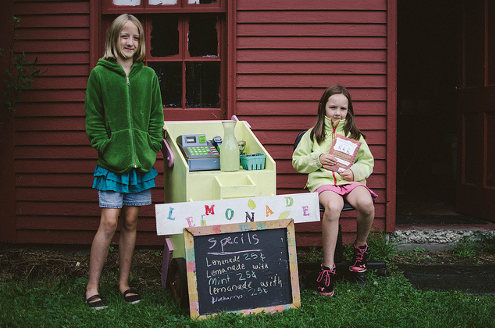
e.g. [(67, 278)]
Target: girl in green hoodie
[(124, 121), (311, 156)]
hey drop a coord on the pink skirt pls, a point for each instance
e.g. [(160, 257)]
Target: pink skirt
[(344, 189)]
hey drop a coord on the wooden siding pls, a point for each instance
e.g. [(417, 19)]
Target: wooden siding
[(287, 53), (7, 175), (51, 155), (52, 158)]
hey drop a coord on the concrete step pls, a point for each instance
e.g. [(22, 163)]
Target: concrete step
[(438, 232)]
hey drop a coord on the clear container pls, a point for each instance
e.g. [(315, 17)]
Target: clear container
[(229, 151)]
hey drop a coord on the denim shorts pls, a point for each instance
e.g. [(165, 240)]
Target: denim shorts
[(113, 199)]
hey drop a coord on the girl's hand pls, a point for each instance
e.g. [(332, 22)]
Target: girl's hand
[(347, 175), (327, 159)]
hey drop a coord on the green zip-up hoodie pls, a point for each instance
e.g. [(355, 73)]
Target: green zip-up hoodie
[(306, 158), (124, 116)]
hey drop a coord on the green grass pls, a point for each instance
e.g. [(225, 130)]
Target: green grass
[(382, 302), (469, 248), (380, 248), (56, 300)]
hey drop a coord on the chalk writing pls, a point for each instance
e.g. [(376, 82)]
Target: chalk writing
[(223, 242), (242, 268)]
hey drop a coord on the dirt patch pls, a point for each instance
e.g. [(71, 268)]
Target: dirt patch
[(444, 257), (23, 262)]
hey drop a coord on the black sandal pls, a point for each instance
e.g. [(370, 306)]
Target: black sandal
[(97, 305), (131, 299)]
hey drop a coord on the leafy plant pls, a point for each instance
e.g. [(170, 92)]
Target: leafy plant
[(20, 73), (465, 248), (469, 247), (487, 244), (380, 248)]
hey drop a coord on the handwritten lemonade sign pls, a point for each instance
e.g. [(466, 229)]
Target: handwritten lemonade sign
[(245, 268), (172, 218)]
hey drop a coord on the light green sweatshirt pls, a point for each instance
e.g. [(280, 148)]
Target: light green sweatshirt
[(305, 158)]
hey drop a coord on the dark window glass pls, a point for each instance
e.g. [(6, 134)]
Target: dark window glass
[(202, 84), (201, 2), (164, 36), (170, 77), (202, 38)]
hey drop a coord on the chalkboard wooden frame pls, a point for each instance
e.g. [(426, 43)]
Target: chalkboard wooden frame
[(189, 240)]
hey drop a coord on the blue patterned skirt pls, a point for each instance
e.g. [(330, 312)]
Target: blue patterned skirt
[(128, 183)]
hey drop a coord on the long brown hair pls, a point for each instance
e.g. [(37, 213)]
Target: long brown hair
[(350, 128)]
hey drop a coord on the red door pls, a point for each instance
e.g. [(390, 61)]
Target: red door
[(476, 184)]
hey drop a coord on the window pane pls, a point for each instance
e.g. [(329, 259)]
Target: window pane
[(164, 36), (127, 2), (162, 2), (203, 39), (195, 2), (170, 77), (202, 84)]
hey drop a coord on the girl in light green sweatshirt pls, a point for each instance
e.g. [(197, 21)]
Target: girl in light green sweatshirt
[(311, 156)]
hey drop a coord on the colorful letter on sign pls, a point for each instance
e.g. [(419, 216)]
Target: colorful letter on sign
[(173, 218)]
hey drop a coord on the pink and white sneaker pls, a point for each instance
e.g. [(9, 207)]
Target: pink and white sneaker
[(360, 257)]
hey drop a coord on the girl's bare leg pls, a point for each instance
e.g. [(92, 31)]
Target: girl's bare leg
[(99, 248), (333, 204), (361, 200), (127, 242)]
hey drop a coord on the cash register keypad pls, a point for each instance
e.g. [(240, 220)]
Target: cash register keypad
[(201, 150)]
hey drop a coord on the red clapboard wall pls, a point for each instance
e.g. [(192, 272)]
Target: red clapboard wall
[(52, 158), (51, 155), (287, 53)]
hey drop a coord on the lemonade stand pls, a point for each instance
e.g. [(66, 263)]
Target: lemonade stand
[(187, 179)]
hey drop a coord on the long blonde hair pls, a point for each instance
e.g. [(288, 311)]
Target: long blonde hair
[(112, 50)]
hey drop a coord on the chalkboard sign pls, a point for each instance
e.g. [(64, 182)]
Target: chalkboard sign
[(246, 268)]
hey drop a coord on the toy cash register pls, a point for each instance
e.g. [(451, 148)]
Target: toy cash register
[(200, 154)]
